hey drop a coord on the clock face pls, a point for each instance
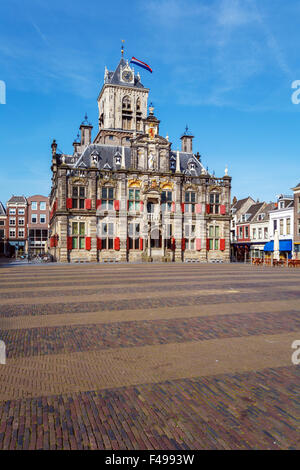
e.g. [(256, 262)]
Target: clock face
[(127, 76)]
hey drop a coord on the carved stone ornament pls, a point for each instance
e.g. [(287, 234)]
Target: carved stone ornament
[(79, 180)]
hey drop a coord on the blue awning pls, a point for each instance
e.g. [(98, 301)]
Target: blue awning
[(269, 246), (284, 245)]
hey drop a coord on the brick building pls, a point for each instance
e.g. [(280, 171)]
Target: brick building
[(296, 191), (38, 224), (127, 196), (16, 226), (3, 218)]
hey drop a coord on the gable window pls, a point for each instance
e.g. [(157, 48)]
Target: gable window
[(21, 211), (190, 201), (78, 235), (134, 200), (166, 201), (214, 202), (12, 211), (107, 198), (78, 197), (134, 236)]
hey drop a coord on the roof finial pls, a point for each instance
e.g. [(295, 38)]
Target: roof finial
[(122, 48)]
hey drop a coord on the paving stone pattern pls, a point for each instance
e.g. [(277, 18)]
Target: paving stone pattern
[(254, 406)]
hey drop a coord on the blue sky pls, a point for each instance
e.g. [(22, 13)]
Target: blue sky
[(224, 67)]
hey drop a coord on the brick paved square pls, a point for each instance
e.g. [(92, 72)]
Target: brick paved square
[(149, 356)]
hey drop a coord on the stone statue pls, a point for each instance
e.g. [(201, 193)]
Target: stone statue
[(151, 162)]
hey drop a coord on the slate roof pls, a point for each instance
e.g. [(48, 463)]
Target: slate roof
[(106, 159), (240, 203), (17, 199), (114, 78), (253, 210), (2, 209)]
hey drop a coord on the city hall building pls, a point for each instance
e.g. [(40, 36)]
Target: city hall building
[(127, 196)]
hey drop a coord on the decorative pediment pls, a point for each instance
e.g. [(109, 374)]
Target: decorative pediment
[(166, 185), (215, 188), (108, 181), (134, 183), (78, 180), (188, 185)]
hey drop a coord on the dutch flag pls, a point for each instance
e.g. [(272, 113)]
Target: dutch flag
[(140, 63)]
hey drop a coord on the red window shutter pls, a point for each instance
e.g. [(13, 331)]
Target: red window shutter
[(207, 244), (173, 207), (141, 244), (222, 244), (69, 203), (117, 205), (173, 244), (88, 243), (99, 244), (198, 244), (207, 208), (198, 209), (141, 206), (88, 203), (51, 242), (128, 205), (98, 203), (182, 207), (117, 243), (183, 244), (222, 209), (69, 243)]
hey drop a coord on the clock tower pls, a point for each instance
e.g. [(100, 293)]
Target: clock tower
[(122, 105)]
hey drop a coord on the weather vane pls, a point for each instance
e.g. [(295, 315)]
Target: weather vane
[(122, 48)]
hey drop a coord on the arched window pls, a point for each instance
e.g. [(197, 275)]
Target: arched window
[(138, 115), (126, 113), (126, 103)]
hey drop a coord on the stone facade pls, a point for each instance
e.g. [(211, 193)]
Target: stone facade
[(127, 196)]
